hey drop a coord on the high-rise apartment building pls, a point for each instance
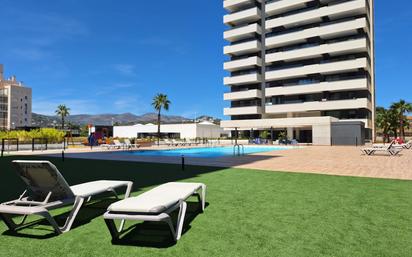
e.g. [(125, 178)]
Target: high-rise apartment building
[(304, 66), (15, 103)]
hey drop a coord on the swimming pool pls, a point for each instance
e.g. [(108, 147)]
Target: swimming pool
[(206, 152)]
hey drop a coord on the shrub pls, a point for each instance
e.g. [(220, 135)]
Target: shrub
[(52, 135)]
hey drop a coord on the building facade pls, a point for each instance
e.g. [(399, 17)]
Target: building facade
[(15, 103), (182, 131), (299, 66)]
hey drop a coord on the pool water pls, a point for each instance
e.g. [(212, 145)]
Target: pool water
[(206, 152)]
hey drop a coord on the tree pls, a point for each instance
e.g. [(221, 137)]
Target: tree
[(63, 112), (386, 120), (401, 108), (160, 101)]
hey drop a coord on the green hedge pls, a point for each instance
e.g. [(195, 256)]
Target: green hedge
[(52, 135)]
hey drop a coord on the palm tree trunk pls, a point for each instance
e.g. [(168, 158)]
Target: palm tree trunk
[(62, 122), (401, 131), (158, 128)]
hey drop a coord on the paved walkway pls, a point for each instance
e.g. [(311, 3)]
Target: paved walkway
[(345, 161)]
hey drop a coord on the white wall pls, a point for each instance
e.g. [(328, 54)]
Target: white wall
[(321, 134), (188, 131)]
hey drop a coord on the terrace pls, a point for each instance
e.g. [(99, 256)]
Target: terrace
[(256, 213)]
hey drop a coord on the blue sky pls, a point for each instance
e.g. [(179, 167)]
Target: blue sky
[(100, 56)]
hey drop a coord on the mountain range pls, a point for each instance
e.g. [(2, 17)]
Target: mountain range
[(40, 120)]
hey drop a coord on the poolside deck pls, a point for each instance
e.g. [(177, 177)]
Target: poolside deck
[(336, 160)]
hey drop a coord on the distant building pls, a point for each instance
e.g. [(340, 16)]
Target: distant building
[(183, 131), (15, 103)]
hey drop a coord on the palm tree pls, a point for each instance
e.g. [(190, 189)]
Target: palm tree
[(63, 112), (386, 120), (160, 101), (401, 108)]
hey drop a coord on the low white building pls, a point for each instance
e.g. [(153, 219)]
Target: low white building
[(182, 131)]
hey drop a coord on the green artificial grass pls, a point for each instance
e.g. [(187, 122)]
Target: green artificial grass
[(249, 213)]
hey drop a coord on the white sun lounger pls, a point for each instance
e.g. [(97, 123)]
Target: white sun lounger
[(117, 144), (177, 143), (388, 149), (407, 145), (155, 205), (48, 190), (130, 145)]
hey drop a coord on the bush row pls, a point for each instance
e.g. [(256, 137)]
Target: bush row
[(52, 135)]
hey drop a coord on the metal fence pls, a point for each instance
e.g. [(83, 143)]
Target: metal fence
[(36, 144)]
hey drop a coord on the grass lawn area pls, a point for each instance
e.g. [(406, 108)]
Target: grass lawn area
[(249, 213)]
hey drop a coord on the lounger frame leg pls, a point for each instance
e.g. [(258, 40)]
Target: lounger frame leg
[(9, 222), (14, 226), (73, 213), (126, 195), (58, 230), (112, 226), (114, 232), (180, 219), (203, 197), (172, 230)]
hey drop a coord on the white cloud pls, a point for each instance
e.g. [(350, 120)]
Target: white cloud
[(32, 54), (123, 85), (77, 106), (125, 69), (191, 114), (154, 41), (131, 103), (41, 29)]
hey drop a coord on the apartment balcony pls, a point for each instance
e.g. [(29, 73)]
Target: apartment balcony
[(322, 68), (279, 7), (332, 86), (242, 110), (243, 79), (236, 5), (242, 32), (325, 32), (351, 46), (361, 103), (242, 64), (246, 16), (240, 95), (243, 48), (306, 17)]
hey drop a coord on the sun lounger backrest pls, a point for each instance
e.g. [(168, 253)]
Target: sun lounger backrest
[(42, 177), (390, 145), (127, 141)]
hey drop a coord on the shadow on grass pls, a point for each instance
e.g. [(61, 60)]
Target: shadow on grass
[(77, 171), (225, 161), (157, 234), (41, 229)]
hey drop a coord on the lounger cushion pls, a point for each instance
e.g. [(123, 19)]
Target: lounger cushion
[(96, 187), (156, 200)]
